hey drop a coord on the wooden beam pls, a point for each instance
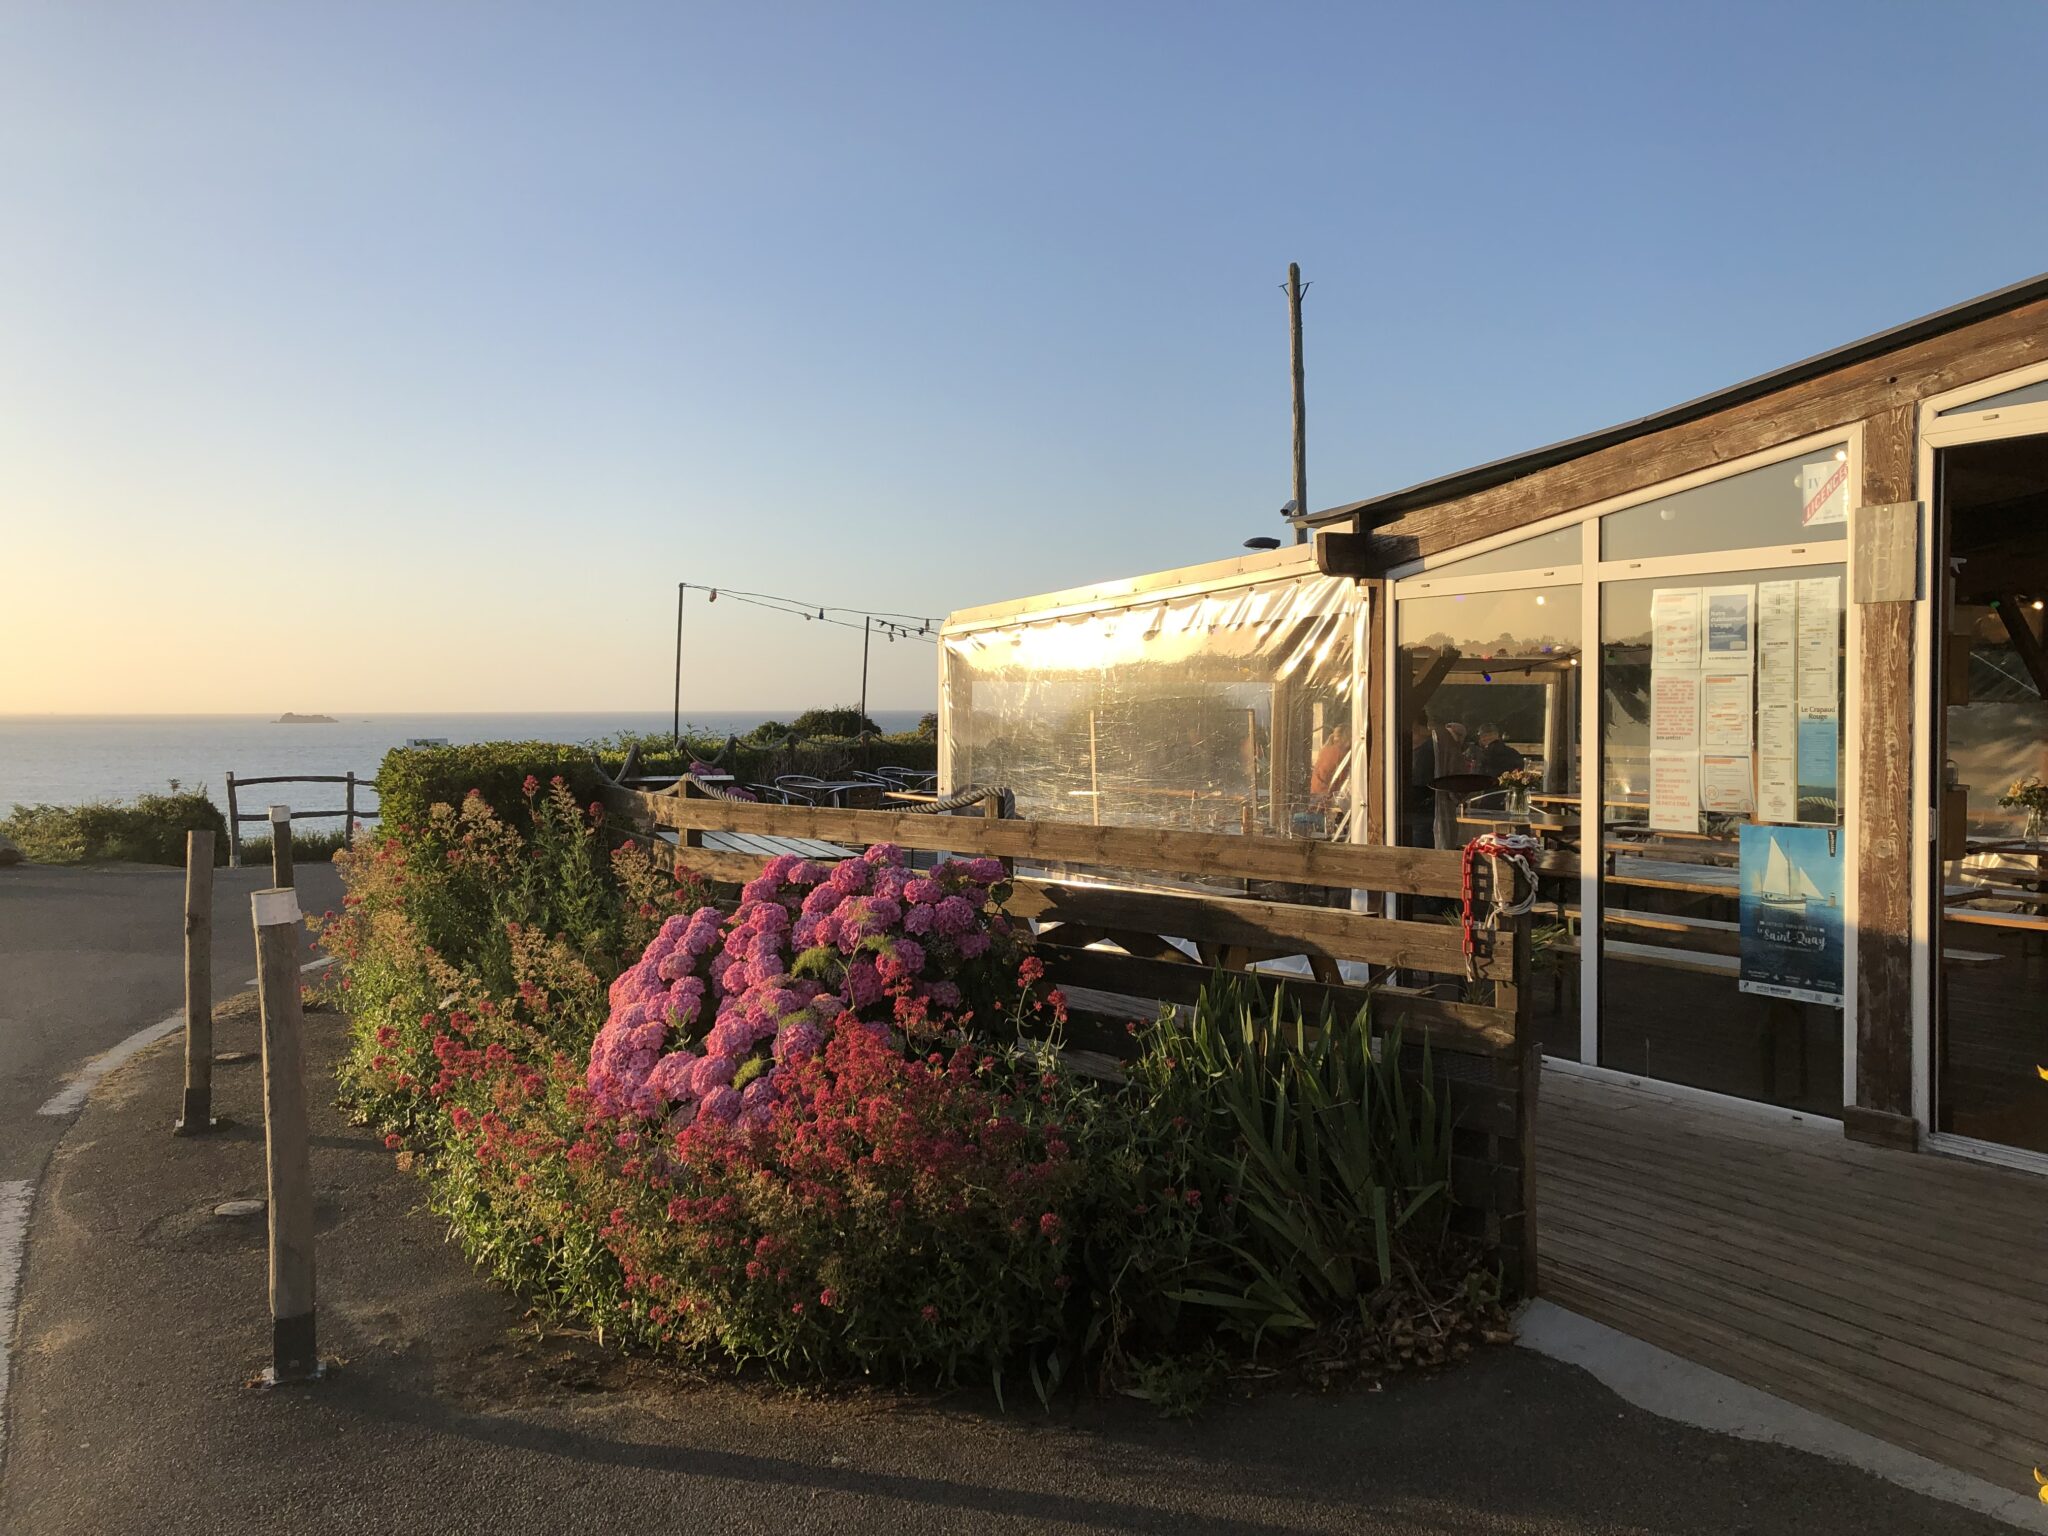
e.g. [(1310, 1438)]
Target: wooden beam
[(1464, 1027), (1886, 732), (1278, 928), (1408, 871), (2025, 643), (1422, 688)]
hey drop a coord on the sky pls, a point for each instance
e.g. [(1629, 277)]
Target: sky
[(404, 356)]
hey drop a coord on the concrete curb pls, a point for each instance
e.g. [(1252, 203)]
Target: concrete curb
[(1672, 1387)]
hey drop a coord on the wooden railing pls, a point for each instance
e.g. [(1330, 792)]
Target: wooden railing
[(349, 811), (1114, 941)]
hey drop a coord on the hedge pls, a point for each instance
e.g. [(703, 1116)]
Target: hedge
[(413, 780), (148, 830)]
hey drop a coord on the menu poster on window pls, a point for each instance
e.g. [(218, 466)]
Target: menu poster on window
[(1674, 711), (1792, 928), (1675, 791), (1777, 700), (1675, 629), (1819, 647), (1725, 784), (1777, 788), (1724, 711), (1824, 491), (1819, 760), (1730, 626)]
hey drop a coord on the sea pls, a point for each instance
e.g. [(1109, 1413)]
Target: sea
[(77, 759)]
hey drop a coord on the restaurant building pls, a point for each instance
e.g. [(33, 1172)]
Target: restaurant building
[(1759, 670)]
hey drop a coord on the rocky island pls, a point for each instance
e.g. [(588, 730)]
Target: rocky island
[(288, 718)]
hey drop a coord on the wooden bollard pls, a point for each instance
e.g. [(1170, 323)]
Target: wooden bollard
[(281, 847), (198, 1116), (234, 825), (294, 1354)]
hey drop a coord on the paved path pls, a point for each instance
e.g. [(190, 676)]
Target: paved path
[(144, 1315), (89, 956)]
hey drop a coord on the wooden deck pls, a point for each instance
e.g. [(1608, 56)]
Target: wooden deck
[(1903, 1294)]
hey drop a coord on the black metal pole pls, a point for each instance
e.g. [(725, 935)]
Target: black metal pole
[(676, 729), (867, 629), (1300, 403)]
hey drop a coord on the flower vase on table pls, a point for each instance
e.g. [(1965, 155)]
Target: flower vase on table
[(1517, 782), (2029, 795)]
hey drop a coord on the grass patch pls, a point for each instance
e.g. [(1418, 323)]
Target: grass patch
[(149, 829)]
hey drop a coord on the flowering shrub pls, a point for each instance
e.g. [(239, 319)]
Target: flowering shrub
[(882, 1214), (807, 1133), (714, 1010)]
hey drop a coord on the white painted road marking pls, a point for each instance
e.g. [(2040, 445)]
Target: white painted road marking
[(71, 1098), (16, 1196)]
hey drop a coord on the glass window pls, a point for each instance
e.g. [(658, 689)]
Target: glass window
[(1794, 501), (1223, 711), (1487, 685), (1722, 843), (2026, 394), (1558, 548)]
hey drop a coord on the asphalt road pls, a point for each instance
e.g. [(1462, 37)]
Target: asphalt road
[(88, 956)]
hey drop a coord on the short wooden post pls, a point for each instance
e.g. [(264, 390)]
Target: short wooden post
[(234, 827), (287, 1157), (198, 1116), (348, 822), (281, 847)]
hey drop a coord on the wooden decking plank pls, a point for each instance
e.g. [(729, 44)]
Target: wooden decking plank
[(1870, 1242), (1928, 1180), (1731, 1133), (1783, 1374), (1904, 1294), (2022, 1262), (1987, 1212), (1973, 1318), (1671, 1116), (1835, 1313), (1927, 1413), (1698, 1184), (1902, 1372)]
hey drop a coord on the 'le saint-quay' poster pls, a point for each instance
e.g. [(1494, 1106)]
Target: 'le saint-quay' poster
[(1792, 928)]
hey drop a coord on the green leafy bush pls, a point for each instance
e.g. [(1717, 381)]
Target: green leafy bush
[(413, 780), (761, 759), (147, 830), (1280, 1169), (841, 720)]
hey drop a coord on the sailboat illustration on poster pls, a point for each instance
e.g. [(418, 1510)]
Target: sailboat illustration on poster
[(1785, 884)]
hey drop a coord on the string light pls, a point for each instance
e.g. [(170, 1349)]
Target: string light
[(911, 626)]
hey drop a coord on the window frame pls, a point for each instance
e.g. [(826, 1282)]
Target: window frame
[(1413, 579)]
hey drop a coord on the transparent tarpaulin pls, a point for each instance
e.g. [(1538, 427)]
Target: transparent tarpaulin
[(1230, 710)]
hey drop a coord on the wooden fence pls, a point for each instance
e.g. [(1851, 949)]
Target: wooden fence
[(349, 810), (1113, 939)]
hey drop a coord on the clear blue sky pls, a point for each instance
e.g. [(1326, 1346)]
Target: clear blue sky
[(493, 321)]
